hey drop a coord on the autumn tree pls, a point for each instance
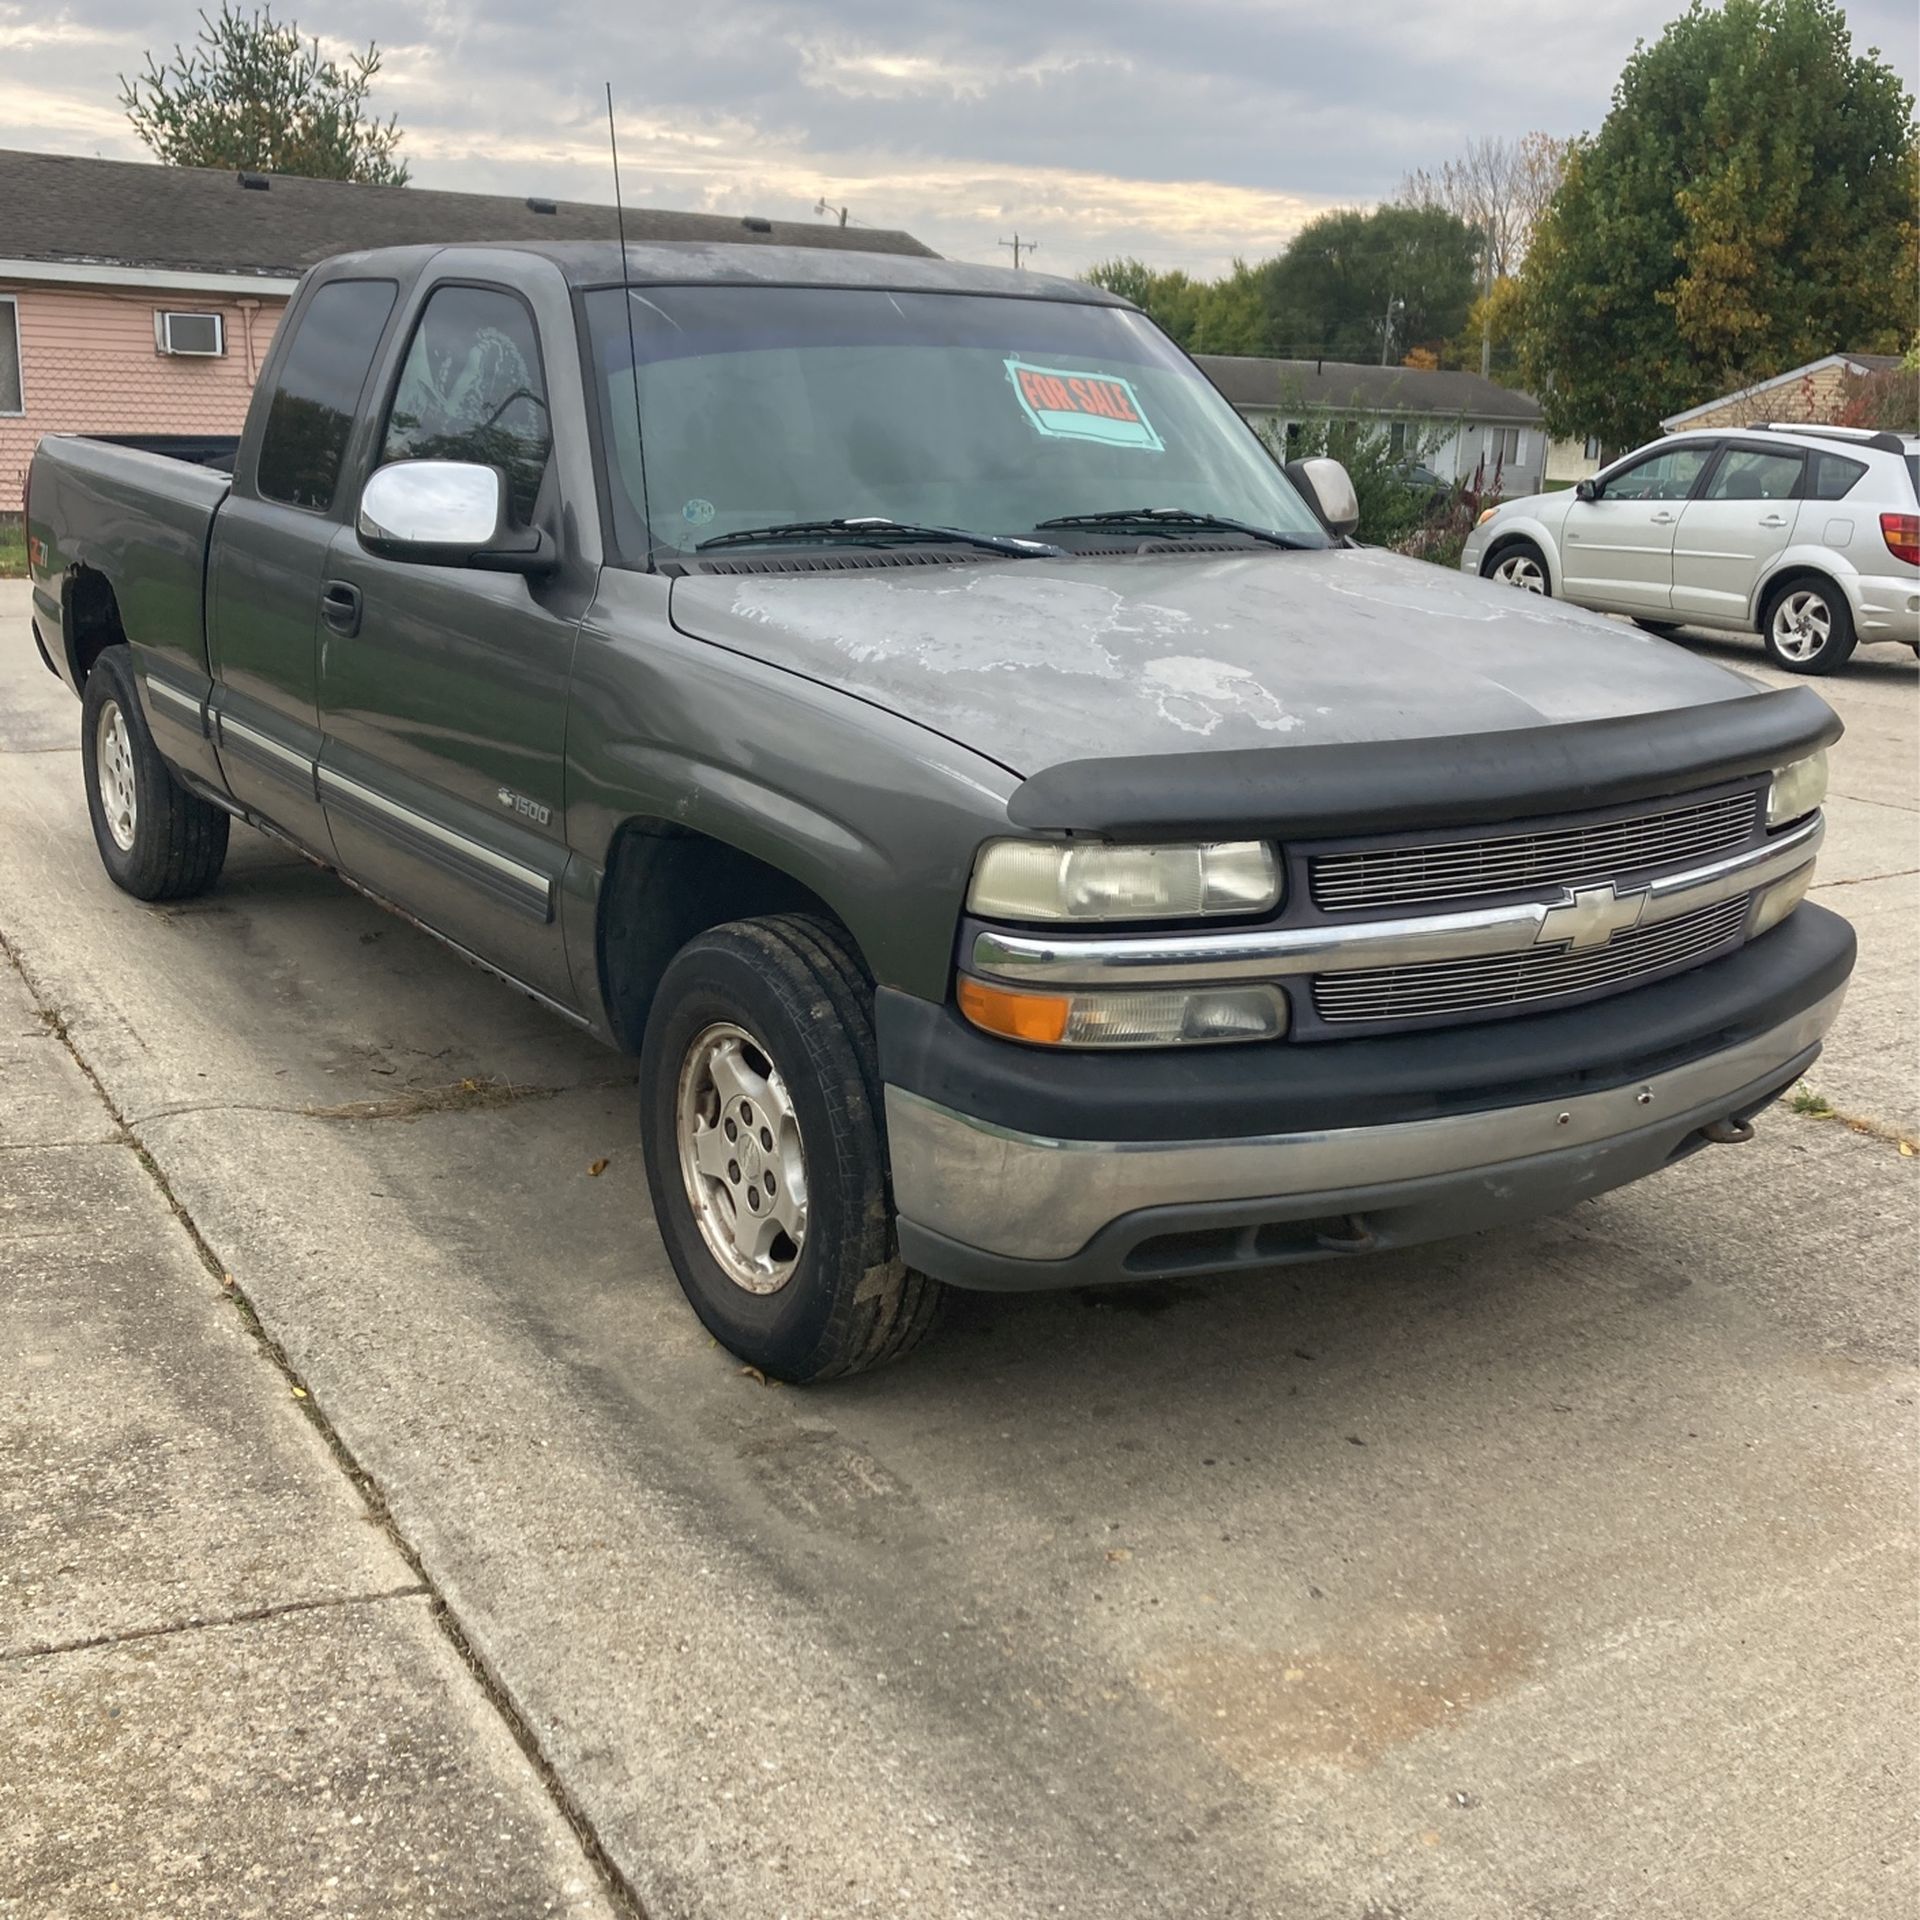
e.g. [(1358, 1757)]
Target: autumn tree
[(253, 96), (1748, 205)]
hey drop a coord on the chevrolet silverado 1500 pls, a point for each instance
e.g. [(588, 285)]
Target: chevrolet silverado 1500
[(1024, 840)]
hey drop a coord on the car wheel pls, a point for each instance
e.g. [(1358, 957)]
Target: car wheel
[(1664, 629), (765, 1148), (1520, 564), (157, 841), (1808, 627)]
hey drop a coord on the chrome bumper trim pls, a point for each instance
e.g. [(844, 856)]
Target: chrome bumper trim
[(1033, 1198), (1266, 953)]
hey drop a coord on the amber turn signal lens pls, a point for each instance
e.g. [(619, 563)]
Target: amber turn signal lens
[(1040, 1017)]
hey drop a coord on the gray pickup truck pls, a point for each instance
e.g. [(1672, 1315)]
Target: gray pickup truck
[(1025, 841)]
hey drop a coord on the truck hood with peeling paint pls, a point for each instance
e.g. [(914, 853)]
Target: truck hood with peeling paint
[(1033, 662)]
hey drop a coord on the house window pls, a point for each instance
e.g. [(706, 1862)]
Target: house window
[(1397, 438), (13, 397), (1503, 446), (1591, 450)]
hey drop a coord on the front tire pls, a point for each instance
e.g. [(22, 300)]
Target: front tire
[(764, 1141), (157, 841), (1808, 627), (1519, 564), (1660, 629)]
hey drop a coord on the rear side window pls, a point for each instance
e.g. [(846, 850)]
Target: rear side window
[(1748, 473), (471, 389), (1830, 476), (310, 417)]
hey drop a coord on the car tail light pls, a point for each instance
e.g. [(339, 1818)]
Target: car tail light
[(1902, 533)]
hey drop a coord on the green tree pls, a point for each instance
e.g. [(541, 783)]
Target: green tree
[(1171, 299), (253, 96), (1369, 286), (1748, 205)]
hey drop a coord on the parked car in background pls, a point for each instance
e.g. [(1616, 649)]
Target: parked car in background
[(1808, 536), (1423, 481)]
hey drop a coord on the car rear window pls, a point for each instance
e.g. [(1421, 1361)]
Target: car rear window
[(1831, 476), (310, 417)]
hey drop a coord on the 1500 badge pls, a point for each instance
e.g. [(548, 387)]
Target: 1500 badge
[(532, 809)]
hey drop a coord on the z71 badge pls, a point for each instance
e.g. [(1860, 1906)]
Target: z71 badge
[(530, 809)]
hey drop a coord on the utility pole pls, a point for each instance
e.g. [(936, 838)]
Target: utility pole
[(1019, 247), (820, 206), (1486, 310), (1394, 302)]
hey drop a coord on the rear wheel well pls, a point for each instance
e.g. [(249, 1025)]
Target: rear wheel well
[(1784, 582), (665, 884), (91, 617)]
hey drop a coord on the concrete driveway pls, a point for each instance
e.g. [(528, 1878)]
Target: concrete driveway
[(1564, 1571)]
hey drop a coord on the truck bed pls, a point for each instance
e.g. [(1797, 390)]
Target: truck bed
[(141, 523)]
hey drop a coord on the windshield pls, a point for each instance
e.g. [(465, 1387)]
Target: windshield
[(761, 406)]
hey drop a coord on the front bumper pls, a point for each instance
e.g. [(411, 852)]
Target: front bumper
[(1384, 1143)]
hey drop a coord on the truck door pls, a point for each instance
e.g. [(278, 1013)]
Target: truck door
[(1617, 550), (1742, 518), (269, 555), (443, 690)]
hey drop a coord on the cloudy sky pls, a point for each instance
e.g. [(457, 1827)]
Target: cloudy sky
[(1185, 131)]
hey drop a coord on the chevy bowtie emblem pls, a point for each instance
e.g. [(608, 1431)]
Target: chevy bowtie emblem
[(1591, 918)]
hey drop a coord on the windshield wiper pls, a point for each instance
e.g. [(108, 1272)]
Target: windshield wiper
[(1177, 520), (874, 526)]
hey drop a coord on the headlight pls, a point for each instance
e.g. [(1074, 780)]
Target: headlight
[(1158, 1017), (1486, 514), (1061, 880), (1797, 790), (1779, 900)]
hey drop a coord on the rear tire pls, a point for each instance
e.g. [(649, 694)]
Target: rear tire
[(1519, 564), (765, 1147), (157, 841), (1808, 627)]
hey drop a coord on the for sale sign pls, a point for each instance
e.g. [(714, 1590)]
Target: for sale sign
[(1068, 405)]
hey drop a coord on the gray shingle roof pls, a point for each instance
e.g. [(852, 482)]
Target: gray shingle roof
[(1340, 386), (62, 207)]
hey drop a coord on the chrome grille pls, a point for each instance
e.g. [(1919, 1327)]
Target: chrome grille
[(1557, 856), (1448, 987)]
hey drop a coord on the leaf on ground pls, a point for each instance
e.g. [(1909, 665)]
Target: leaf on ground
[(754, 1373), (597, 1169), (299, 1393)]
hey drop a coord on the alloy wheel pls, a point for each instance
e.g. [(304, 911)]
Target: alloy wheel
[(742, 1157), (1521, 570), (113, 764), (1802, 624)]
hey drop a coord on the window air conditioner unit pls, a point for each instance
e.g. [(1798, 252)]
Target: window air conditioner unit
[(199, 335)]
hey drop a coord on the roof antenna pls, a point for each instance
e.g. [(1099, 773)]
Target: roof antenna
[(626, 299)]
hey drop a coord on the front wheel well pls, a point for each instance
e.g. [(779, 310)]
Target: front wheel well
[(90, 615), (1506, 543), (663, 885)]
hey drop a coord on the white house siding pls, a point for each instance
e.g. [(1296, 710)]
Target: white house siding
[(1454, 449)]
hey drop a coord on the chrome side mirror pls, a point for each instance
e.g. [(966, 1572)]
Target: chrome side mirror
[(1329, 490), (450, 513)]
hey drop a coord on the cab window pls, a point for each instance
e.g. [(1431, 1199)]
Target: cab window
[(471, 388), (1665, 476), (316, 393)]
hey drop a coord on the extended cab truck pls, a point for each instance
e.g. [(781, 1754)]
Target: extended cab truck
[(1025, 842)]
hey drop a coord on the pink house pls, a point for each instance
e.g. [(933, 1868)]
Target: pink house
[(137, 301)]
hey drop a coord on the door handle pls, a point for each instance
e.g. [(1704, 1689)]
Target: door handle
[(1661, 519), (1774, 520), (340, 606)]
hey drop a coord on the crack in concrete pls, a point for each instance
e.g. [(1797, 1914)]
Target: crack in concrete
[(462, 1096), (199, 1623), (620, 1889), (1865, 879)]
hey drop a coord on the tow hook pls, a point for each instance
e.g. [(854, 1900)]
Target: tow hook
[(1352, 1235), (1728, 1133)]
